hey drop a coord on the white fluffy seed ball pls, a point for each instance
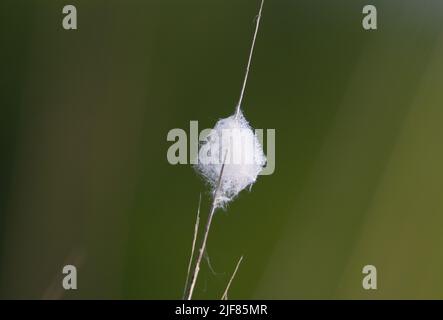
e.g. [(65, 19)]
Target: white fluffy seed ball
[(233, 142)]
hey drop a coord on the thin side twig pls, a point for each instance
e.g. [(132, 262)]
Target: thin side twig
[(197, 222), (225, 294)]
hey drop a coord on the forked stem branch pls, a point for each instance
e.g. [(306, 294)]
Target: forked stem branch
[(205, 234)]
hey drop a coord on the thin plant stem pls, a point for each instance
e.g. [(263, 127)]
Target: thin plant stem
[(201, 252), (225, 294), (237, 111), (215, 199), (197, 222), (205, 234)]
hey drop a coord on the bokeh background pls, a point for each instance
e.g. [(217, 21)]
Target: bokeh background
[(84, 177)]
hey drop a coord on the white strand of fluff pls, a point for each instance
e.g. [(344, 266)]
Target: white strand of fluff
[(232, 141)]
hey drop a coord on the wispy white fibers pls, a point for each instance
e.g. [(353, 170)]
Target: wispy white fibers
[(234, 143)]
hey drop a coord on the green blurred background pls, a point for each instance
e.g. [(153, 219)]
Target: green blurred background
[(84, 177)]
